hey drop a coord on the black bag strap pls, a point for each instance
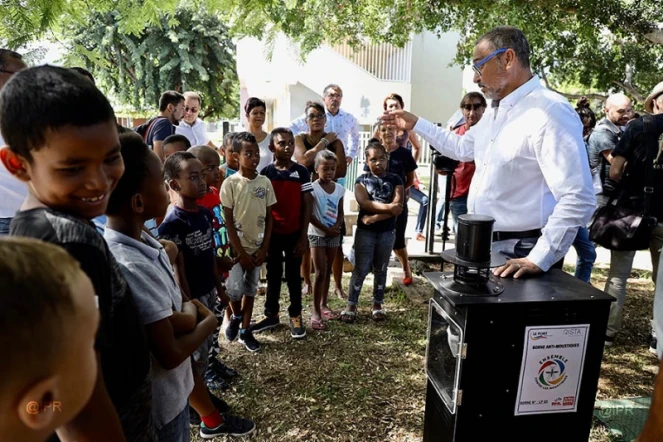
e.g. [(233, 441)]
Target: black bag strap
[(649, 131)]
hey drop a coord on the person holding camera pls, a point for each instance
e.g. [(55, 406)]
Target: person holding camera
[(472, 106), (532, 173)]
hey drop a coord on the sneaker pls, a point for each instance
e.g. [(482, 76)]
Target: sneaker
[(231, 426), (214, 381), (221, 369), (267, 323), (250, 342), (194, 418), (232, 330), (297, 330), (609, 340), (219, 403)]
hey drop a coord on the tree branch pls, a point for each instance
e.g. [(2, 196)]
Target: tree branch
[(631, 90), (656, 34), (570, 96)]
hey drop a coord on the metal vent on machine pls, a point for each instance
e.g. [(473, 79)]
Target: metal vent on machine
[(472, 259)]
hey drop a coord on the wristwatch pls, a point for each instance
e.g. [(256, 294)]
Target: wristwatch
[(325, 141)]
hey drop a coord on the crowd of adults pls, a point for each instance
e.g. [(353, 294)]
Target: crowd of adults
[(531, 161)]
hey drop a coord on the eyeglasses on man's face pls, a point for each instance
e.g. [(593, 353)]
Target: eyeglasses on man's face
[(476, 67), (193, 110)]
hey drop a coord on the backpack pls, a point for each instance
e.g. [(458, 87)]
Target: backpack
[(144, 129)]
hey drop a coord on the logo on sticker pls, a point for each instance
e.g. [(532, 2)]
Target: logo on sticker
[(552, 373)]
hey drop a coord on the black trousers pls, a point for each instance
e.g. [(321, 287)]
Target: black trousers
[(282, 249)]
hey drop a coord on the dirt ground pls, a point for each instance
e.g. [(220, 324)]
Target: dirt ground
[(366, 382)]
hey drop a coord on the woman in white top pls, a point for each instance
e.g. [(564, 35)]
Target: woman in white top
[(255, 110)]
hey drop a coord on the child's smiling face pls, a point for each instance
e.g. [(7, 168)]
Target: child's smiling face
[(77, 169)]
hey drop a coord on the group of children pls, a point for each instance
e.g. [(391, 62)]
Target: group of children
[(159, 298)]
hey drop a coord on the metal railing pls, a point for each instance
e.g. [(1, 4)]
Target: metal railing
[(356, 168), (384, 61)]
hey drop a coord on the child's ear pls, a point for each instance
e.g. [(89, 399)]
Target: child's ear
[(272, 148), (173, 185), (137, 204), (14, 163), (37, 407)]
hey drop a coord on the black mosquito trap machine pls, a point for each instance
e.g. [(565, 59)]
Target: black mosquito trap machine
[(510, 360)]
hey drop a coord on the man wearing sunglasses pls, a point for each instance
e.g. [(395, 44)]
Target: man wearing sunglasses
[(532, 172), (191, 126), (473, 105), (12, 190)]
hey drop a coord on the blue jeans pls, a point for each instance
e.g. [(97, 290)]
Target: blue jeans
[(422, 199), (372, 250), (458, 207), (4, 225), (176, 430), (586, 251)]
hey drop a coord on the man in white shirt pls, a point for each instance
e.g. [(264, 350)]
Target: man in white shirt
[(12, 191), (191, 126), (342, 123), (532, 173)]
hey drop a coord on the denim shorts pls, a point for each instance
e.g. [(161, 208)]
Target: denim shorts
[(242, 282)]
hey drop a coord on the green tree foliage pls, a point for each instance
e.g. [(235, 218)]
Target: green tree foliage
[(594, 45), (190, 51)]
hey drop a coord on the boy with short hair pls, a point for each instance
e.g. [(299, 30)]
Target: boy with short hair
[(49, 377), (189, 226), (175, 329), (230, 166), (289, 240), (217, 372), (175, 143), (247, 199), (62, 140)]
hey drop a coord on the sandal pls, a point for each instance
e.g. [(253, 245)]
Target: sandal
[(348, 316), (329, 314), (317, 324), (378, 315)]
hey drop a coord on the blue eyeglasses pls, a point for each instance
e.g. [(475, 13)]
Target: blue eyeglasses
[(486, 59)]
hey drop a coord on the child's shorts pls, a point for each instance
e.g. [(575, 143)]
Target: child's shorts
[(327, 242), (242, 282)]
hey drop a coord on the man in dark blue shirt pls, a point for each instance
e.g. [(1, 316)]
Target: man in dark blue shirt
[(171, 111)]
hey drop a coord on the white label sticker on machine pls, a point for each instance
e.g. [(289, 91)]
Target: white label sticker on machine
[(550, 374)]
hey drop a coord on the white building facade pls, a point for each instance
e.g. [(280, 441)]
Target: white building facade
[(420, 72)]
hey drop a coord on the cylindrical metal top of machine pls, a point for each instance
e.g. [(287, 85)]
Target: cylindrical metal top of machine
[(474, 238)]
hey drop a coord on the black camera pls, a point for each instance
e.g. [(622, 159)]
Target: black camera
[(444, 164)]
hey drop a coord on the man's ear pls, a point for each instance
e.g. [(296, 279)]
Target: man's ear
[(137, 204), (14, 163), (37, 407)]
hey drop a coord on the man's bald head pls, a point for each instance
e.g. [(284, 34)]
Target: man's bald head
[(618, 109)]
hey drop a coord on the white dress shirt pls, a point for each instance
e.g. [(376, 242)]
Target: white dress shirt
[(531, 167), (196, 134), (12, 191), (343, 124)]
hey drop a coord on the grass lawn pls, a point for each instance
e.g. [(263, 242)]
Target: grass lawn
[(366, 382)]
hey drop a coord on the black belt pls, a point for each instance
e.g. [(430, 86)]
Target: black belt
[(502, 236)]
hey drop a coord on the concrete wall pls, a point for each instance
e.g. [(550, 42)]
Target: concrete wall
[(436, 87), (287, 82)]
